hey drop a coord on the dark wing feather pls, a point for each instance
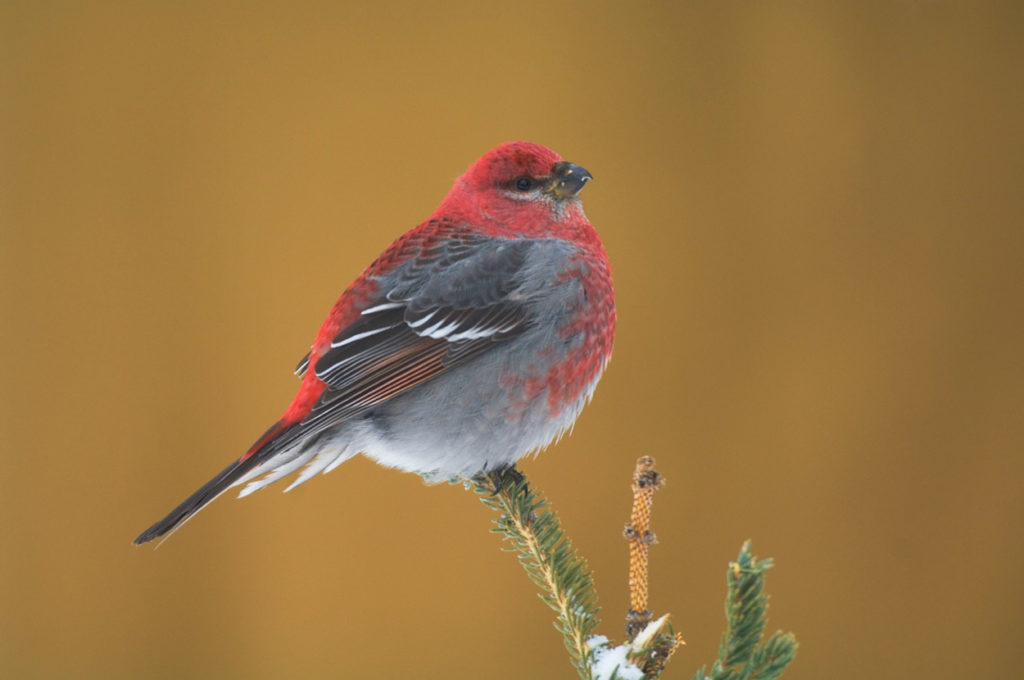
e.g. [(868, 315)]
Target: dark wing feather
[(300, 369), (448, 305)]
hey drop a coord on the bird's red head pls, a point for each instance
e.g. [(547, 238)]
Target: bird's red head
[(518, 188), (509, 161)]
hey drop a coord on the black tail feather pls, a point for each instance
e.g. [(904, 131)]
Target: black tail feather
[(199, 499)]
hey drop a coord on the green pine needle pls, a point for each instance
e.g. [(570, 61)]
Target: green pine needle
[(742, 655), (536, 536)]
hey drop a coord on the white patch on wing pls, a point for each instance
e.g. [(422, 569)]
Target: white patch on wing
[(431, 330), (360, 336), (474, 333), (438, 331), (422, 320), (381, 308)]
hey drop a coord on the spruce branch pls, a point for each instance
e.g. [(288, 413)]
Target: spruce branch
[(547, 556), (742, 655)]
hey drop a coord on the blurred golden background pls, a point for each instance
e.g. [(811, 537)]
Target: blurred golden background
[(814, 215)]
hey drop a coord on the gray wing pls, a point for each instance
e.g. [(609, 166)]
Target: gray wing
[(446, 306)]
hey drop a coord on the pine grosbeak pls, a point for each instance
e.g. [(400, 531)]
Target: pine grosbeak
[(474, 339)]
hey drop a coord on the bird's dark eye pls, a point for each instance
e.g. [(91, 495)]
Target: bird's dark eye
[(524, 183)]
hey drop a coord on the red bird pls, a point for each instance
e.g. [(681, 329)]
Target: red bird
[(474, 339)]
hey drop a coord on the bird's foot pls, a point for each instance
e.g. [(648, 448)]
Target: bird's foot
[(500, 477)]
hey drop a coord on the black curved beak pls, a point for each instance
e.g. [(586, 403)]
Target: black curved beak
[(567, 179)]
